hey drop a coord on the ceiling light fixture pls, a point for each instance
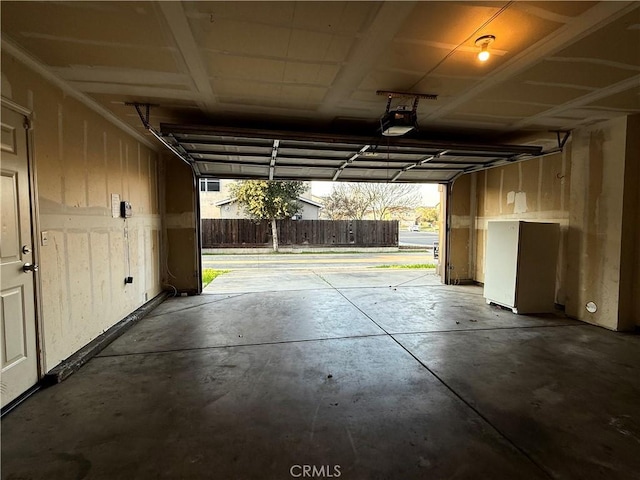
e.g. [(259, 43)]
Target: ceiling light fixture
[(484, 42)]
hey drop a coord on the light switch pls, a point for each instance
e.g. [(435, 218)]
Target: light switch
[(44, 238)]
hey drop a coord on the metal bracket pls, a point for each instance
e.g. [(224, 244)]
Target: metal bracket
[(388, 104), (415, 104), (563, 140), (394, 94), (178, 151), (143, 117)]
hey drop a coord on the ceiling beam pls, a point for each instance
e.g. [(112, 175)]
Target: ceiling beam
[(143, 91), (179, 25), (623, 86), (388, 20), (125, 76)]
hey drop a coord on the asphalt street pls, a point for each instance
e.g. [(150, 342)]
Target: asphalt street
[(418, 238)]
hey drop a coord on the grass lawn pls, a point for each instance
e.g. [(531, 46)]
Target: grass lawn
[(412, 266), (209, 274)]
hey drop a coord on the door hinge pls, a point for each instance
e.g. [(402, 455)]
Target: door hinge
[(27, 124)]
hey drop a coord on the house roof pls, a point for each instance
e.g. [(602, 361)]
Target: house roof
[(311, 202)]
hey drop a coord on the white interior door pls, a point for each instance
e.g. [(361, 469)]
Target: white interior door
[(17, 310)]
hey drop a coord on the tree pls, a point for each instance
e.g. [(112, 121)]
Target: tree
[(345, 203), (380, 200), (386, 198), (269, 200), (428, 214)]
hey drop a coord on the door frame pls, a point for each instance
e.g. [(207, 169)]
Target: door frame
[(35, 228)]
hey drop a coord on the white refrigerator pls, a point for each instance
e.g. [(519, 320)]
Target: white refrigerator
[(520, 265)]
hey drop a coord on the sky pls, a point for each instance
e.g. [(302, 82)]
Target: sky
[(430, 193)]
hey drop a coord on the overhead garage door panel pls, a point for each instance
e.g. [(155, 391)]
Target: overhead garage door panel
[(232, 170), (264, 154)]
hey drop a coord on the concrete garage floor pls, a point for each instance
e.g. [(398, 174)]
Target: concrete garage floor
[(365, 374)]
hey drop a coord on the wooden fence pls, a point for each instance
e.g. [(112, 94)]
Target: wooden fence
[(239, 233)]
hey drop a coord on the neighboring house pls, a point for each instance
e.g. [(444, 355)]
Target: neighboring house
[(230, 208), (212, 191)]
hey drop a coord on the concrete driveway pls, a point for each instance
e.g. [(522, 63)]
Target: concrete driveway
[(369, 374)]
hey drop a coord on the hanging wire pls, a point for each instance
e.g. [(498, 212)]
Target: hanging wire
[(472, 35), (388, 160), (127, 252)]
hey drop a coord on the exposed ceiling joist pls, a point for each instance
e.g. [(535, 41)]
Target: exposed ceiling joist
[(179, 25), (388, 20)]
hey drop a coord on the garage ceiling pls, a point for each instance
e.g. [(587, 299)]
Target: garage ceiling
[(231, 78)]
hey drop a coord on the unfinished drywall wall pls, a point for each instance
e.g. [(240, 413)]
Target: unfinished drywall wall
[(80, 160), (461, 227), (629, 297), (443, 207), (535, 190), (591, 190), (597, 253), (180, 199), (631, 228)]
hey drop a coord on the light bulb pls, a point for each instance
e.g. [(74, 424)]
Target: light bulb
[(484, 55), (483, 43)]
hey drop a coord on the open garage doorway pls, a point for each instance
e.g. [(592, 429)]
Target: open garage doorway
[(216, 153), (354, 226)]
